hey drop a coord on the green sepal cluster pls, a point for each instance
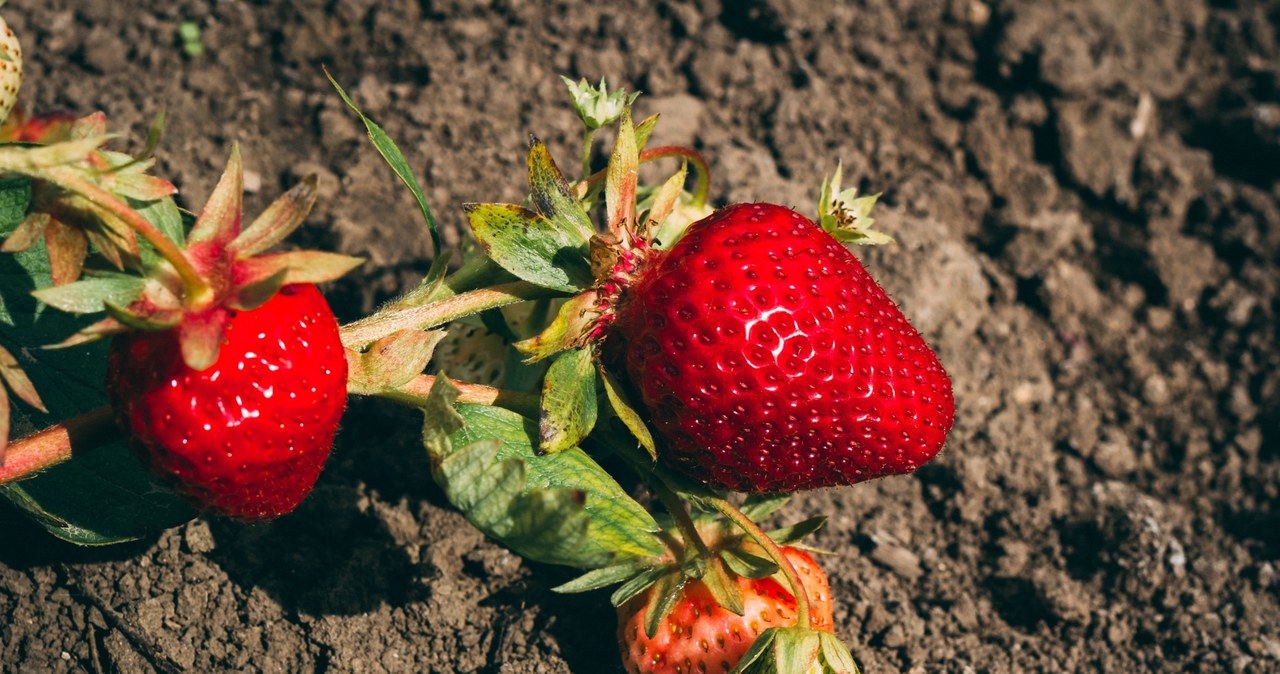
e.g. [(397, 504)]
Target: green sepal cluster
[(231, 261), (845, 215), (596, 106), (717, 559)]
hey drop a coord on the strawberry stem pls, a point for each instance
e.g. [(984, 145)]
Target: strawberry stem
[(587, 140), (703, 186), (755, 533), (376, 326), (56, 444), (415, 392), (199, 292), (676, 507)]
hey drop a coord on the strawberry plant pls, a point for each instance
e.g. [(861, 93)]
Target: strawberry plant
[(561, 367)]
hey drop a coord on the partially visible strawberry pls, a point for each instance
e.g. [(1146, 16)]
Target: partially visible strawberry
[(771, 361), (248, 436), (10, 68), (698, 636)]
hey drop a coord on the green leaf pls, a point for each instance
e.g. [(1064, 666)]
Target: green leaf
[(643, 129), (606, 576), (300, 266), (665, 594), (796, 650), (666, 198), (723, 587), (546, 525), (87, 296), (568, 401), (395, 159), (219, 220), (551, 194), (759, 506), (440, 420), (626, 414), (280, 219), (531, 247), (618, 528), (568, 329), (15, 194), (845, 215), (798, 531), (166, 217), (748, 565), (632, 588)]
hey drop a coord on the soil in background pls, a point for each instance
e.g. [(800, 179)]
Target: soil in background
[(1086, 198)]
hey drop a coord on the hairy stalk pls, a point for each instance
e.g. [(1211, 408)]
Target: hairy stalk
[(54, 445), (703, 186), (755, 533), (379, 325), (415, 392), (676, 507), (88, 431), (199, 293), (587, 140)]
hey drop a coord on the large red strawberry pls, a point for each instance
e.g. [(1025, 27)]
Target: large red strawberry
[(698, 636), (771, 361), (248, 436), (227, 370)]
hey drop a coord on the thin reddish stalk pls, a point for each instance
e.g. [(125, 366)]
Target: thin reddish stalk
[(54, 445), (755, 533), (379, 325), (700, 190), (417, 389)]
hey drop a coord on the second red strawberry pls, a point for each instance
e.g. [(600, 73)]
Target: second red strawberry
[(771, 361)]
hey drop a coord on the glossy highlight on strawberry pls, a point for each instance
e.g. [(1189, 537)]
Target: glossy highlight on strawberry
[(247, 437), (771, 361)]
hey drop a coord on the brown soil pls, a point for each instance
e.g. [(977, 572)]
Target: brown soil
[(1085, 197)]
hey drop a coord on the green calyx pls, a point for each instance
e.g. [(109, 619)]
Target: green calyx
[(596, 106), (797, 650), (847, 216)]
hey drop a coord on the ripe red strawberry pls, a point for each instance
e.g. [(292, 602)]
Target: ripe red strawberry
[(248, 436), (699, 636), (771, 361)]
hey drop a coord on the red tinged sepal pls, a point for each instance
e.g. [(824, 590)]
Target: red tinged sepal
[(220, 268)]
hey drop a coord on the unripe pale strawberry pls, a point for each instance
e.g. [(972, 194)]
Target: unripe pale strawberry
[(10, 68)]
